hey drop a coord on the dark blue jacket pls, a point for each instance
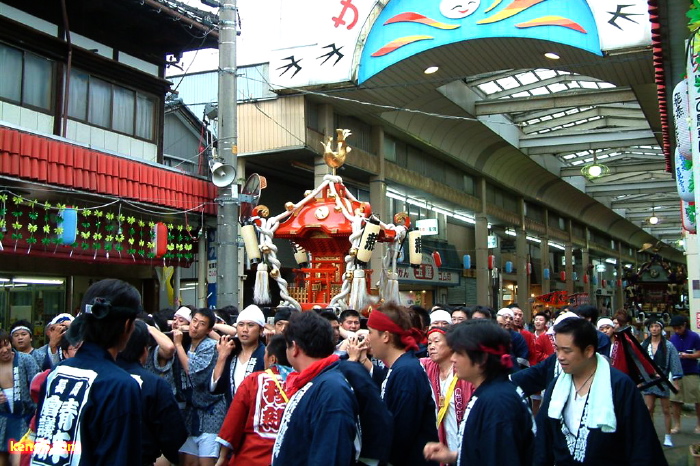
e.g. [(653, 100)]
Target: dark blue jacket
[(163, 426), (319, 426), (498, 427), (102, 411), (375, 418), (407, 393)]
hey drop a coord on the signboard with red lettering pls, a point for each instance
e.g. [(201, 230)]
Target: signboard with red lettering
[(428, 273)]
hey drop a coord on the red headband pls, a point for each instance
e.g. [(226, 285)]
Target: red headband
[(506, 360), (381, 322), (437, 329)]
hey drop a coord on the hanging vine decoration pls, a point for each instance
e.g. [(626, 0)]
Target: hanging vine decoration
[(46, 229), (98, 229), (3, 221), (32, 226), (17, 227)]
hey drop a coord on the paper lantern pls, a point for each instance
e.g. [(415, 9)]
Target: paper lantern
[(562, 276), (509, 267), (585, 278), (250, 240), (414, 248), (545, 273), (300, 255), (160, 239), (681, 117), (467, 261), (619, 283), (688, 216), (492, 261), (437, 259), (370, 234), (684, 178), (69, 224), (604, 283)]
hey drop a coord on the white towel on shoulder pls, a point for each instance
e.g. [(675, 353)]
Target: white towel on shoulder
[(601, 410)]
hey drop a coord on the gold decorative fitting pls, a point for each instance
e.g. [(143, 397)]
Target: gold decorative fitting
[(353, 252), (337, 208), (307, 192), (400, 217), (263, 211), (274, 273), (349, 275), (289, 206), (322, 212), (336, 159)]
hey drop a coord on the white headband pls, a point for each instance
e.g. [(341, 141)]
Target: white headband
[(20, 327)]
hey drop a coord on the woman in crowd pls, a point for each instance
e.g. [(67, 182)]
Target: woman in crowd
[(665, 355)]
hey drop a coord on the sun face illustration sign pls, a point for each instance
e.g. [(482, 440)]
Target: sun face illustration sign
[(375, 35)]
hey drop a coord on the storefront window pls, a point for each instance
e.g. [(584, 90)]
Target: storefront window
[(35, 299)]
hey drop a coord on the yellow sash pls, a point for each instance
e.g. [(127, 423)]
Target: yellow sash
[(443, 406), (279, 385)]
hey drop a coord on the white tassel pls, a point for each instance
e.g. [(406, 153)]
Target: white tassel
[(359, 296), (393, 289), (261, 291)]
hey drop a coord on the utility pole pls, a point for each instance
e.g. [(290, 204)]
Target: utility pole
[(227, 196)]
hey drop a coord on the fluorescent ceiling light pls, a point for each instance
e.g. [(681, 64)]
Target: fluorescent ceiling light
[(38, 281), (556, 245), (552, 56), (431, 69)]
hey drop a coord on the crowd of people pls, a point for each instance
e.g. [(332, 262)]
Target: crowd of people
[(465, 386)]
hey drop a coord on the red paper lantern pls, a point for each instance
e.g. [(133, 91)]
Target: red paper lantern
[(160, 239), (492, 260), (562, 276), (437, 259), (604, 283), (619, 283), (585, 278)]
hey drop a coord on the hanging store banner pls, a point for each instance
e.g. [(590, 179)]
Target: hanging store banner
[(338, 41)]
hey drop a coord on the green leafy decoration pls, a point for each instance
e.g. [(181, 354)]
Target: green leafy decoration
[(46, 228), (31, 240), (693, 15), (130, 220), (17, 200), (45, 241), (87, 213), (33, 215), (32, 228), (85, 246)]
